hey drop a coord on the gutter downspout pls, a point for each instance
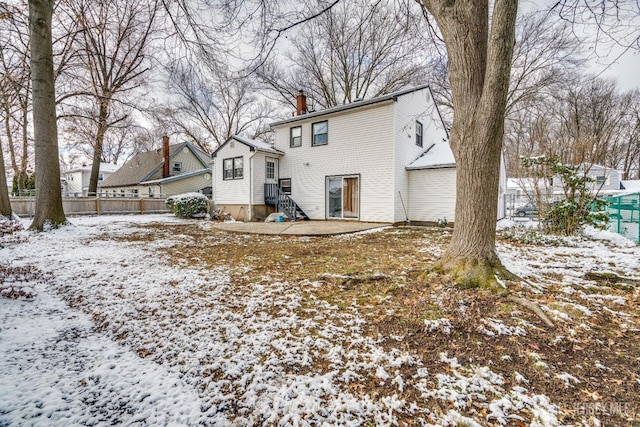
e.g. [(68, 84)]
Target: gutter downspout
[(250, 210)]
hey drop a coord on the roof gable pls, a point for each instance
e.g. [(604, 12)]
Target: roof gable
[(174, 150), (253, 144), (143, 165)]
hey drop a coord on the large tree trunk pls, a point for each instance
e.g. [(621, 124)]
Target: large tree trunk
[(5, 203), (97, 146), (49, 211), (479, 71)]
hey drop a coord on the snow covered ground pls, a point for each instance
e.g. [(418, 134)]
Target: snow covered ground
[(107, 331)]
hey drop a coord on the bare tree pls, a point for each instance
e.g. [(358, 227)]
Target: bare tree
[(355, 50), (545, 51), (530, 132), (479, 63), (49, 211), (15, 88), (480, 54), (121, 140), (590, 114), (5, 203), (210, 105), (630, 149), (113, 49)]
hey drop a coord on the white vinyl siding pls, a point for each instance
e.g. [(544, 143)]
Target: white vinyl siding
[(187, 185), (258, 176), (231, 191), (432, 195), (361, 142), (409, 108)]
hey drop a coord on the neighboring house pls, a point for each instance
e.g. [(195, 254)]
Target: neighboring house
[(167, 171), (75, 182), (385, 159), (605, 180), (528, 188)]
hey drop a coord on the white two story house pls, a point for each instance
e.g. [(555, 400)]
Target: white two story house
[(75, 182), (385, 159)]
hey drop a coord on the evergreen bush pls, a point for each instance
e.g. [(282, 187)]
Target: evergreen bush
[(188, 205)]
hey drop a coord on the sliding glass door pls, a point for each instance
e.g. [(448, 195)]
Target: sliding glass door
[(343, 197)]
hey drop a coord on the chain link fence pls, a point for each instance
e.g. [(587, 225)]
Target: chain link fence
[(624, 215)]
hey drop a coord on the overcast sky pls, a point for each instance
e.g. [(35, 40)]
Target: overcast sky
[(606, 59), (626, 69)]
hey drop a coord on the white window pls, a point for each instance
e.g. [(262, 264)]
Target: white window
[(418, 134), (320, 133), (176, 167), (602, 180), (232, 168), (296, 136)]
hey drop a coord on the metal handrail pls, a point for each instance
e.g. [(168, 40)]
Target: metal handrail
[(273, 195)]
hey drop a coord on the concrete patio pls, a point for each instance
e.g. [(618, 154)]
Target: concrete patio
[(300, 228)]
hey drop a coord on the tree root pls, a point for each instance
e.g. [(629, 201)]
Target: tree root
[(348, 281), (533, 307), (469, 274), (613, 280)]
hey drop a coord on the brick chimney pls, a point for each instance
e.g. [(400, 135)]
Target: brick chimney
[(301, 103), (166, 171)]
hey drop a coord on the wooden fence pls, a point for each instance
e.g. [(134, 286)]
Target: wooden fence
[(25, 206)]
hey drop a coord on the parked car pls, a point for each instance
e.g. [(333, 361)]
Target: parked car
[(528, 209)]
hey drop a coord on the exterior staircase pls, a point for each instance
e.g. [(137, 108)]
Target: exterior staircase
[(273, 195)]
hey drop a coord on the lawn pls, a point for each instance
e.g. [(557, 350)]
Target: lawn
[(152, 320)]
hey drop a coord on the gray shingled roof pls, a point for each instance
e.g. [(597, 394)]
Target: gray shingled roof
[(355, 104), (142, 165)]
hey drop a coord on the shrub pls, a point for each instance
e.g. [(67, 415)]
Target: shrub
[(442, 222), (579, 208), (188, 205)]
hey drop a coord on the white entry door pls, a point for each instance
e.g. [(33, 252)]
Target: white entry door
[(271, 171)]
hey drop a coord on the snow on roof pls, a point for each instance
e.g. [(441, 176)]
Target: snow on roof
[(525, 183), (438, 156), (631, 186), (258, 145), (104, 167), (176, 177)]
